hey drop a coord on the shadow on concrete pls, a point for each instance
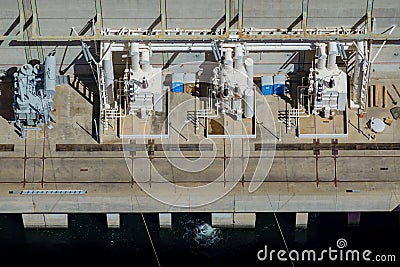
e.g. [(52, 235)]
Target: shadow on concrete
[(84, 82), (170, 60), (153, 25), (7, 95), (295, 22)]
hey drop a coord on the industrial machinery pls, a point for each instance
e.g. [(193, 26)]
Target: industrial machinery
[(143, 84), (327, 83), (232, 86), (34, 91)]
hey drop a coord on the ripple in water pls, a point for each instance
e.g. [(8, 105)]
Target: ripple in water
[(198, 234)]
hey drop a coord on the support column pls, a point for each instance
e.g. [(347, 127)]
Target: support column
[(165, 220), (21, 19), (163, 13), (240, 16), (40, 220), (113, 220), (304, 16), (370, 4), (302, 220), (99, 18), (227, 17), (34, 20)]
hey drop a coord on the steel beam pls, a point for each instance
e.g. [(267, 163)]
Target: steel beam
[(163, 14), (240, 16), (34, 20), (227, 16), (99, 17), (21, 19), (304, 16), (370, 4), (287, 37)]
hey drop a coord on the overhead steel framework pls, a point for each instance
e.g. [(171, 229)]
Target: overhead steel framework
[(227, 34)]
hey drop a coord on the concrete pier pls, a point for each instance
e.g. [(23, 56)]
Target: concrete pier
[(222, 220), (40, 220), (302, 220), (165, 220), (113, 220), (244, 220)]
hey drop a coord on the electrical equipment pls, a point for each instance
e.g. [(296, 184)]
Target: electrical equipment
[(34, 91)]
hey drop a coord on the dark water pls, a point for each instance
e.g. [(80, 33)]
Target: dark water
[(192, 242)]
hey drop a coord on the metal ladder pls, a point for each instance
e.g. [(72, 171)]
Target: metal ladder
[(364, 86)]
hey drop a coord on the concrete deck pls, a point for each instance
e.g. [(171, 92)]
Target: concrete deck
[(297, 181)]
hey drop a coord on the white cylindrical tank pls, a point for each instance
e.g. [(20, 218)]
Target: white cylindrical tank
[(249, 103), (239, 58), (135, 56), (249, 64), (146, 60), (321, 56), (50, 75), (333, 52), (108, 72), (228, 57)]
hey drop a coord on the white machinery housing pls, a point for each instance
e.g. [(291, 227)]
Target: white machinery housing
[(233, 86), (328, 84)]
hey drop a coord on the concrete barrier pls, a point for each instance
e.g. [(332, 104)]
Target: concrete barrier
[(40, 220), (113, 220)]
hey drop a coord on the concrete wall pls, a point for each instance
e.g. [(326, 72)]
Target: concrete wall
[(270, 14), (58, 17), (130, 14), (335, 13)]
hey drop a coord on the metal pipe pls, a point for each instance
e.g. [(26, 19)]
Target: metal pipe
[(108, 75), (249, 63), (203, 47), (228, 57), (333, 52), (239, 57), (146, 60), (321, 56)]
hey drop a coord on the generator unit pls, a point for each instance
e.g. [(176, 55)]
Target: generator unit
[(34, 91)]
